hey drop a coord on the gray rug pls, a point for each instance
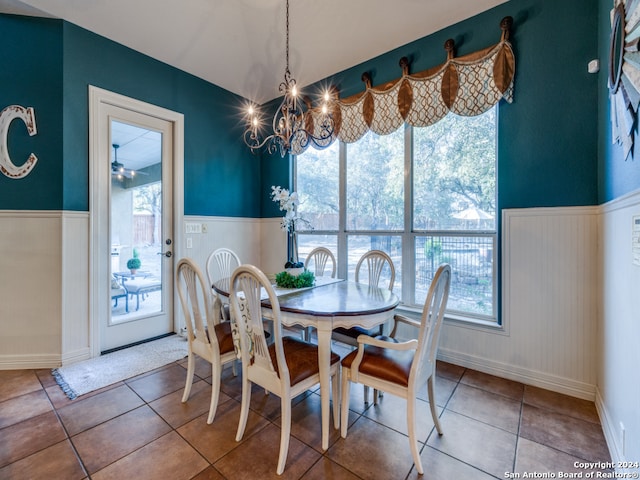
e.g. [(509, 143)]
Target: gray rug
[(89, 375)]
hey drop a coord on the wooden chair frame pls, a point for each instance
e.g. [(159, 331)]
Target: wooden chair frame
[(203, 323), (423, 364)]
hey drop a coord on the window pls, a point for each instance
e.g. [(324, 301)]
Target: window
[(422, 195)]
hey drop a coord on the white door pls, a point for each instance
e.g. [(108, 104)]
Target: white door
[(132, 224)]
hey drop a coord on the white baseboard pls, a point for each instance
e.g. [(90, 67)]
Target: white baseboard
[(77, 356), (615, 449), (29, 362), (554, 383)]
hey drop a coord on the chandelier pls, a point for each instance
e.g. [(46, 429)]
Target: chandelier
[(296, 124)]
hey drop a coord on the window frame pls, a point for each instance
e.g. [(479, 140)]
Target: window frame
[(408, 235)]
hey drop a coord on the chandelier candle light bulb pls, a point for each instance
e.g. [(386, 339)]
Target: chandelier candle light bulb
[(294, 126)]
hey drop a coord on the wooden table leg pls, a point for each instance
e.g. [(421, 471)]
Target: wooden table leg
[(324, 363)]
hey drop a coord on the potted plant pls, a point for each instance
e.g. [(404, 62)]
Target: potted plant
[(133, 264)]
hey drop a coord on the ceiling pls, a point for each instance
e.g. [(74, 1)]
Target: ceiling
[(239, 45)]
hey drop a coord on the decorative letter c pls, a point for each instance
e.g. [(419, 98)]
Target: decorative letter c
[(7, 115)]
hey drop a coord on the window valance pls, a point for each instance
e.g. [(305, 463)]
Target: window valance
[(468, 85)]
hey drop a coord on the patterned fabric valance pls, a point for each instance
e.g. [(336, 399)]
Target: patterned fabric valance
[(467, 85)]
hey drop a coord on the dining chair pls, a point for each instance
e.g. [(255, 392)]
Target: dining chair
[(373, 263), (220, 264), (208, 336), (402, 368), (376, 262), (287, 367), (318, 258)]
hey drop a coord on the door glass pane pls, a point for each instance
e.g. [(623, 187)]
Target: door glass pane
[(375, 182), (136, 222)]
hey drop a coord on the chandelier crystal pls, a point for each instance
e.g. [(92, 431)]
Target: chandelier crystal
[(296, 124)]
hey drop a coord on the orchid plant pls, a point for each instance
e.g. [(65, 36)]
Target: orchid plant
[(289, 202)]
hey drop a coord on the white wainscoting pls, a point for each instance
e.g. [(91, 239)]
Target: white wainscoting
[(259, 242), (550, 285), (618, 398), (75, 315), (551, 291), (30, 289)]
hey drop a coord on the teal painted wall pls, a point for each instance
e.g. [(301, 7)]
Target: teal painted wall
[(548, 143), (31, 76), (547, 154), (617, 176), (221, 176)]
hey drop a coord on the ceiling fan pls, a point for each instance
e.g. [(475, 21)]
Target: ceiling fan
[(118, 170)]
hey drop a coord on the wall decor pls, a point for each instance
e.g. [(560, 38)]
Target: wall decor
[(624, 72), (27, 115)]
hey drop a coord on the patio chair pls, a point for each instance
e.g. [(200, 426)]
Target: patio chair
[(287, 367), (212, 340), (141, 287), (118, 291), (402, 368)]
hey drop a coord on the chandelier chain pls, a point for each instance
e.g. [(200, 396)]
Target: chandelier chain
[(287, 47), (295, 124)]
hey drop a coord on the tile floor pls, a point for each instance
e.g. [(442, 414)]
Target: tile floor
[(139, 429)]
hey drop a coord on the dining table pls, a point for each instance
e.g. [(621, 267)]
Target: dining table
[(329, 304)]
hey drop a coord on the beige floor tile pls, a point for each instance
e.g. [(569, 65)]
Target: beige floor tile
[(218, 439), (557, 402), (14, 383), (325, 469), (160, 383), (176, 413), (487, 407), (534, 458), (391, 411), (488, 448), (493, 384), (29, 436), (449, 371), (85, 413), (140, 429), (373, 451), (169, 457), (56, 461), (25, 406), (565, 433), (257, 457), (116, 438), (440, 466)]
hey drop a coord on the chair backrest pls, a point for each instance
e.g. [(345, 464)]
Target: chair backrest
[(247, 285), (221, 263), (376, 261), (196, 300), (431, 325), (320, 256)]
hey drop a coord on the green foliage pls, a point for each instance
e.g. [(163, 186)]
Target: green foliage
[(286, 280), (135, 253), (433, 247), (134, 263)]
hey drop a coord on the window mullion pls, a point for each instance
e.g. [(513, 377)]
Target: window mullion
[(408, 244), (342, 217)]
